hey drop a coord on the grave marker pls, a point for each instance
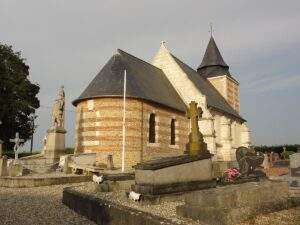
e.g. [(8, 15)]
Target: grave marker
[(17, 142)]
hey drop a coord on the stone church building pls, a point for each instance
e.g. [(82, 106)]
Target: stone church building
[(156, 99)]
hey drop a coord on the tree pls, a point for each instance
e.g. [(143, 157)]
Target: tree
[(18, 100)]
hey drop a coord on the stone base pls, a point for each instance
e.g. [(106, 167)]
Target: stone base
[(235, 203), (174, 174), (39, 164), (15, 170)]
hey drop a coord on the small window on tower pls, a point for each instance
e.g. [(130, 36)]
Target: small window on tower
[(173, 137), (90, 105), (152, 128)]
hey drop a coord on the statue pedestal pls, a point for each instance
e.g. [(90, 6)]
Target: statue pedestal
[(55, 146)]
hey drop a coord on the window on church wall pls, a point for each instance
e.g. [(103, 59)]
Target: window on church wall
[(173, 136), (152, 128)]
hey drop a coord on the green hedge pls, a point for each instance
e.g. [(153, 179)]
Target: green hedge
[(277, 148)]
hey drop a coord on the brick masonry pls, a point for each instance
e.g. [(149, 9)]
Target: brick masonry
[(99, 130)]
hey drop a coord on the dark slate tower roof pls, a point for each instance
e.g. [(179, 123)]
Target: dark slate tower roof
[(214, 99), (144, 81), (213, 63)]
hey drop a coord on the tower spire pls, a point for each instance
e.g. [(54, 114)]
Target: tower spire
[(213, 63)]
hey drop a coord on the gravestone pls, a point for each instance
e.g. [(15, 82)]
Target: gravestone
[(295, 176), (15, 170), (110, 163), (88, 159), (3, 166), (17, 140), (248, 160), (196, 144), (266, 163)]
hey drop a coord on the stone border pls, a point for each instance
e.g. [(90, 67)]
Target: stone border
[(103, 212), (161, 163), (26, 182), (154, 190)]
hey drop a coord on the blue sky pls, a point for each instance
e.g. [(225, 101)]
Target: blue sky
[(68, 41)]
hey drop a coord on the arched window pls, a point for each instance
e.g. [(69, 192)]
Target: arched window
[(152, 128), (173, 121)]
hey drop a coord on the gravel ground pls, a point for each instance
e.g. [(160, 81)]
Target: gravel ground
[(39, 205), (42, 205)]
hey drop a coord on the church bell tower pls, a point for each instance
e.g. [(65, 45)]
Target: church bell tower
[(214, 69)]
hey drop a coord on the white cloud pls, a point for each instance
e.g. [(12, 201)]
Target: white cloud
[(273, 83)]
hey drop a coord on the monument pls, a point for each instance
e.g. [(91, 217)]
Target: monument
[(191, 171), (55, 140)]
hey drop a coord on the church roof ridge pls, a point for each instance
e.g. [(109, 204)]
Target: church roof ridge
[(214, 98)]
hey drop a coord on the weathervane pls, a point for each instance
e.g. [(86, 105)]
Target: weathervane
[(211, 28)]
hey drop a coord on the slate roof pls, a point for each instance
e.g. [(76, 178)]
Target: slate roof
[(144, 81), (213, 63), (214, 99)]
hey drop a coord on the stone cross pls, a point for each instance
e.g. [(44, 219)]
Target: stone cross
[(196, 145), (17, 142)]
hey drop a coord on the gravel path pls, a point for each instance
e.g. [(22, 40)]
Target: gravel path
[(39, 205)]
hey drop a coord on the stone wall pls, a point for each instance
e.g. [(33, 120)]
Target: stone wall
[(103, 212), (99, 130), (228, 88)]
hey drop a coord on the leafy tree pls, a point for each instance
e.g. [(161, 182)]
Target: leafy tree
[(18, 100)]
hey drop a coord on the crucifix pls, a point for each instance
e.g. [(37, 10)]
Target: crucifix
[(17, 142), (196, 144)]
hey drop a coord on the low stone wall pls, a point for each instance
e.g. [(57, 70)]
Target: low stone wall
[(25, 182), (107, 213)]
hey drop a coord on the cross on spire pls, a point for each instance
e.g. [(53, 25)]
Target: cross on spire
[(17, 142), (211, 29)]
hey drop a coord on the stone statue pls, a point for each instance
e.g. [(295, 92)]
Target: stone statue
[(196, 145), (58, 110), (248, 160)]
